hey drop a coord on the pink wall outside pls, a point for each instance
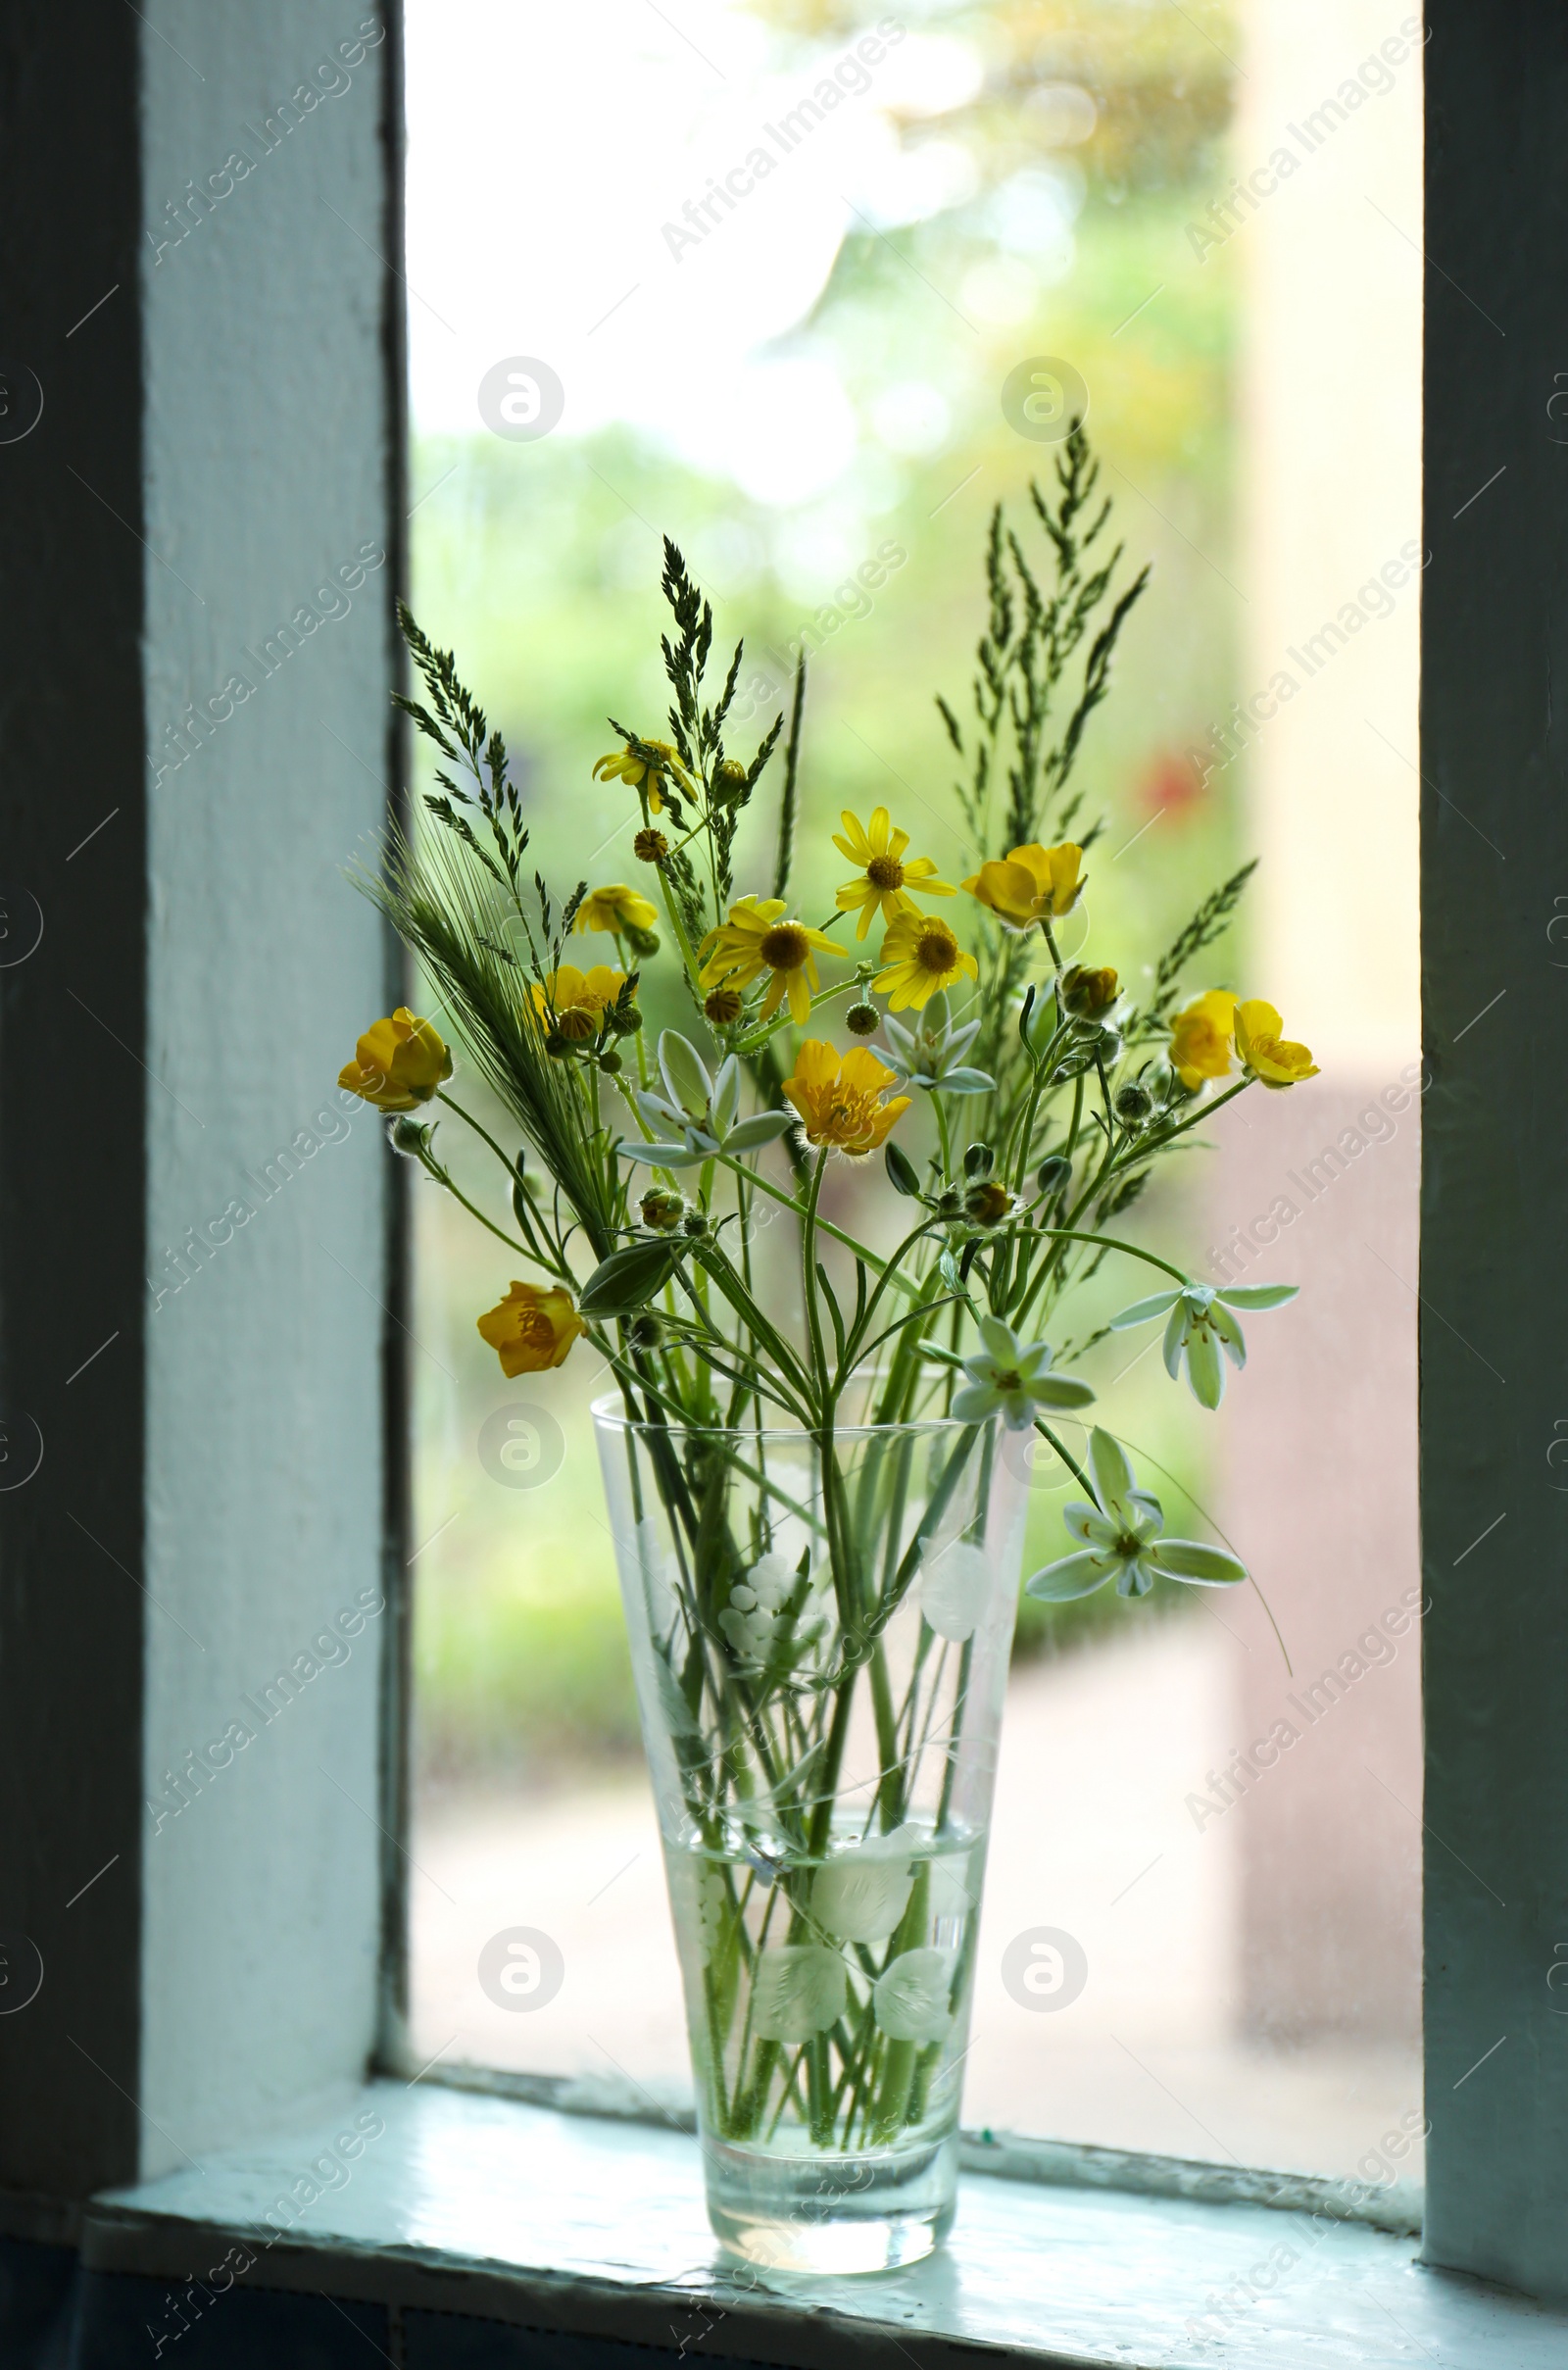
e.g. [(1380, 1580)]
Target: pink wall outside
[(1320, 1495)]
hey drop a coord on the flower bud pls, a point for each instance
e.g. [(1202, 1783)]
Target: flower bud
[(862, 1019), (650, 847), (1053, 1176), (645, 1332), (695, 1222), (1089, 993), (662, 1209), (729, 780), (723, 1007), (555, 1045), (610, 1061), (979, 1160), (987, 1204), (411, 1137), (950, 1204), (1133, 1105), (578, 1024), (624, 1018), (643, 943)]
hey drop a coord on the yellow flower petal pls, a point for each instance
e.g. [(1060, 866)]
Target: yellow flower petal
[(398, 1063)]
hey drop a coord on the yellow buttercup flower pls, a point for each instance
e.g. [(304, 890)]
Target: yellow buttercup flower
[(920, 955), (399, 1064), (841, 1101), (1272, 1058), (1031, 884), (577, 998), (885, 879), (615, 907), (644, 773), (758, 939), (531, 1328), (1201, 1038)]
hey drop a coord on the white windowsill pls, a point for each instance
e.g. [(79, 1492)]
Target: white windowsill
[(484, 2205)]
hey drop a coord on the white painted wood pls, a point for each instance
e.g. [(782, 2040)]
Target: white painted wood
[(484, 2205), (265, 456)]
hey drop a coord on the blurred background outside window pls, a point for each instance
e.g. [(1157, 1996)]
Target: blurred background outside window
[(1211, 216)]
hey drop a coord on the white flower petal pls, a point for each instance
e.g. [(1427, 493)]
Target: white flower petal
[(1000, 1339), (1070, 1576), (954, 1589), (1142, 1312), (911, 1997), (685, 1074), (1107, 1464), (861, 1896), (798, 1989)]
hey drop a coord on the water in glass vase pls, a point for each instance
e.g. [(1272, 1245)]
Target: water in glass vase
[(820, 1633), (826, 2017)]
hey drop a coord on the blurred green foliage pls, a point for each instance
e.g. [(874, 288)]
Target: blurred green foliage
[(539, 563)]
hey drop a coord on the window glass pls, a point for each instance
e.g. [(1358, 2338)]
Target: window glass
[(811, 291)]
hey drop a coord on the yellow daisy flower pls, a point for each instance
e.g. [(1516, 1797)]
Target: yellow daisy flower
[(1201, 1038), (624, 765), (884, 879), (841, 1101), (577, 999), (756, 939), (1031, 884), (1272, 1058), (920, 955), (615, 907)]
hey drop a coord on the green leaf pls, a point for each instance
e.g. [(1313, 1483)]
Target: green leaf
[(627, 1279), (902, 1174), (1257, 1296), (1190, 1559)]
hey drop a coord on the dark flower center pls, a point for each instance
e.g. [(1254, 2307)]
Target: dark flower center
[(785, 947), (885, 872)]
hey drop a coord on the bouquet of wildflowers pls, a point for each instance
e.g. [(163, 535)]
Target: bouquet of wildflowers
[(1008, 1106)]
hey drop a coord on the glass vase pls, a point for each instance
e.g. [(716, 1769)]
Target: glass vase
[(821, 1626)]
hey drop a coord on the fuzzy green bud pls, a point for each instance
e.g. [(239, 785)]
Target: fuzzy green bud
[(662, 1209), (1089, 993), (1053, 1176), (862, 1019), (624, 1018), (411, 1137)]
